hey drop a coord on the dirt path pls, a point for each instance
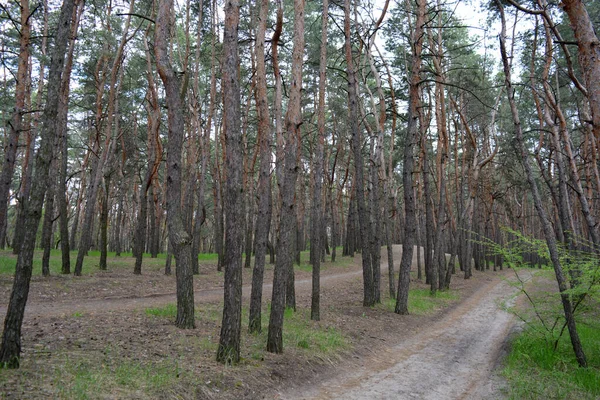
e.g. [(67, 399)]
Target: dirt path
[(452, 359), (122, 303)]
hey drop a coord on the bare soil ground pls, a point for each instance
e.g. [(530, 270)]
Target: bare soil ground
[(74, 326)]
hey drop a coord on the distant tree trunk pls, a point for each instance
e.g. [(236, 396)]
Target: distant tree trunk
[(47, 227), (263, 221), (24, 192), (179, 238), (10, 349), (546, 224), (104, 224), (218, 208), (249, 224), (75, 225), (140, 231), (169, 260), (410, 220), (350, 245), (229, 343), (154, 221), (118, 242), (293, 121)]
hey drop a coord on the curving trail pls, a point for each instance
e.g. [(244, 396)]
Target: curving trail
[(451, 359)]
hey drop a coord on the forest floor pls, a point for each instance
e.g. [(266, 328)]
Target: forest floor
[(110, 334)]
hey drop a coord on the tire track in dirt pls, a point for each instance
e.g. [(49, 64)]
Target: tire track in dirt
[(451, 359)]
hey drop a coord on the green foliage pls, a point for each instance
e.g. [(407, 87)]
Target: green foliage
[(535, 370), (581, 268)]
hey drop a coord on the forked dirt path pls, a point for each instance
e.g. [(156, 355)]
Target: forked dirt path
[(452, 359), (122, 303), (67, 306)]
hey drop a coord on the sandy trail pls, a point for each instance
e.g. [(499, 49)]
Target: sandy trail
[(452, 359)]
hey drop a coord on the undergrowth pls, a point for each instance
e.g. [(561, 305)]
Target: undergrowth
[(298, 331), (535, 370)]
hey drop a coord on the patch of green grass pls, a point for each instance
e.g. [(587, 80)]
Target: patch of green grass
[(8, 261), (115, 378), (208, 257), (170, 310), (536, 371), (303, 267), (421, 302), (206, 313), (300, 331)]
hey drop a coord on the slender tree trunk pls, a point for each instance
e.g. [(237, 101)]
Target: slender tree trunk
[(10, 350), (363, 217), (263, 221), (293, 121), (63, 146), (203, 140), (546, 224), (410, 219), (317, 217), (179, 238), (229, 343)]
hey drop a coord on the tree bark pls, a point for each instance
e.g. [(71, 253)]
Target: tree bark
[(317, 213), (63, 146), (410, 219), (263, 221), (229, 343), (357, 142), (179, 238), (293, 121)]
